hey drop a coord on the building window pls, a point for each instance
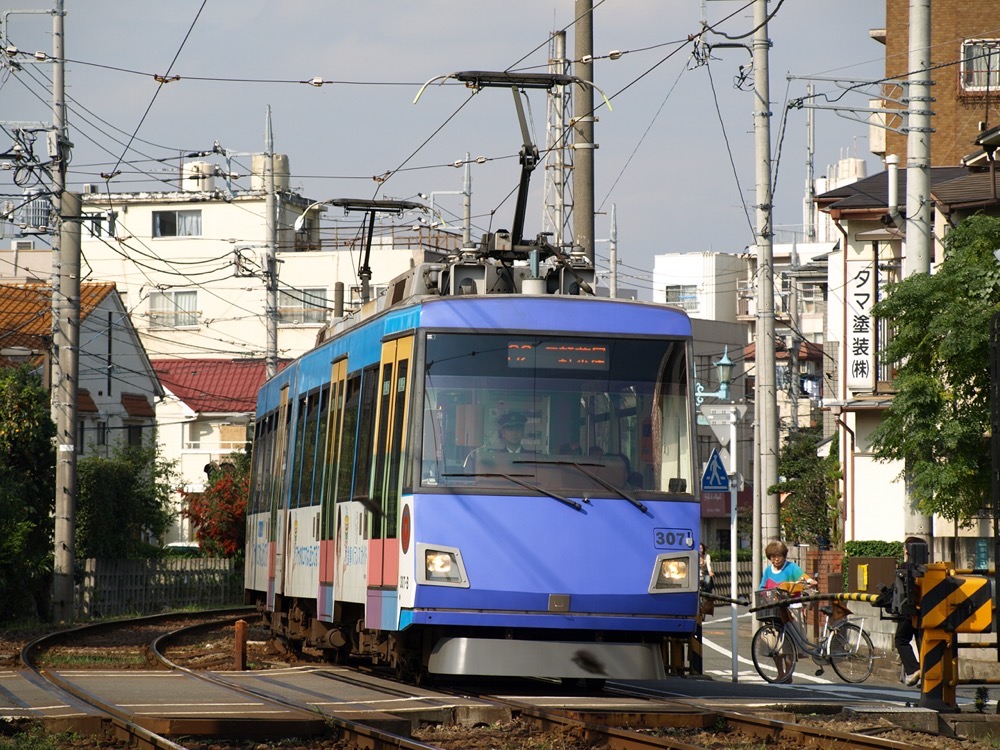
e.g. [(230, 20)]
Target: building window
[(302, 306), (198, 432), (102, 433), (173, 309), (134, 435), (81, 435), (683, 296), (981, 64), (176, 223)]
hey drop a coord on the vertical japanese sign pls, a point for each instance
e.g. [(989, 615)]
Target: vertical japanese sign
[(859, 295)]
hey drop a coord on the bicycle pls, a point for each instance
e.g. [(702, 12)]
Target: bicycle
[(781, 639)]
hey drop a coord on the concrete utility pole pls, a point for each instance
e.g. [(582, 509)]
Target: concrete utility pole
[(809, 204), (793, 339), (766, 395), (65, 336), (271, 271), (918, 142), (58, 186), (583, 128), (613, 253), (67, 344), (917, 258)]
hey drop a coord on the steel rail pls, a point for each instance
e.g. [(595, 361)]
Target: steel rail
[(769, 730)]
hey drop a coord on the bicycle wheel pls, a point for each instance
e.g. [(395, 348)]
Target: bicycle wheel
[(774, 655), (851, 653)]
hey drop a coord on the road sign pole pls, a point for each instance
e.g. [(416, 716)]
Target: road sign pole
[(733, 488)]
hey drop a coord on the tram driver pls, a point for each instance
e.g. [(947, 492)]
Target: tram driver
[(510, 435)]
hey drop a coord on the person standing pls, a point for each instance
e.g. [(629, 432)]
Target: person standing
[(781, 569), (706, 580), (705, 572), (906, 631), (785, 573)]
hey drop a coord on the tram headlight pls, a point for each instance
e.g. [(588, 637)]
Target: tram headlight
[(673, 573), (442, 566)]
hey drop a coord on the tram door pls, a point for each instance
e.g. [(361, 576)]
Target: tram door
[(279, 494), (328, 532), (389, 449)]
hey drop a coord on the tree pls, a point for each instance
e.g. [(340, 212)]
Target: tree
[(123, 502), (939, 421), (809, 485), (219, 513), (27, 493)]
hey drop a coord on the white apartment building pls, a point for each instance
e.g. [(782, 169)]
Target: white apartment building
[(191, 268)]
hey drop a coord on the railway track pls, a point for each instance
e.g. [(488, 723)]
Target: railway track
[(665, 723)]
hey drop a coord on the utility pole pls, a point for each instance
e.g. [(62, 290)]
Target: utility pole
[(765, 395), (583, 127), (67, 344), (918, 142), (467, 203), (65, 334), (559, 158), (809, 205), (58, 132), (271, 270), (793, 339), (613, 253), (917, 257)]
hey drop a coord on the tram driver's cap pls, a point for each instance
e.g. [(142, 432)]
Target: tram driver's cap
[(512, 419)]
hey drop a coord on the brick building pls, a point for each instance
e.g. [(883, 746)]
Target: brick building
[(965, 56)]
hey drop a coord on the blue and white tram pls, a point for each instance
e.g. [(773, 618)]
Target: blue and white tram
[(370, 532)]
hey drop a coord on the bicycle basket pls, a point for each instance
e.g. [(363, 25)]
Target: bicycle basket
[(769, 596)]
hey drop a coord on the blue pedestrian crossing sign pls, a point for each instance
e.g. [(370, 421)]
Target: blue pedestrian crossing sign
[(715, 478)]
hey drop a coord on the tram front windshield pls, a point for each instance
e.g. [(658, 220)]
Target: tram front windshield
[(562, 413)]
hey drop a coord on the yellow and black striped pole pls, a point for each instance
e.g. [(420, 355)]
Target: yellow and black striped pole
[(949, 604)]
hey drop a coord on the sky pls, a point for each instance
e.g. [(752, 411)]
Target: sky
[(676, 149)]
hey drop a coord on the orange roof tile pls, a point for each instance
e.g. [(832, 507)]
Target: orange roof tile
[(85, 402), (137, 405)]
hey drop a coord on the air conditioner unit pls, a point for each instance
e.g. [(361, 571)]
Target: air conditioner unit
[(89, 188)]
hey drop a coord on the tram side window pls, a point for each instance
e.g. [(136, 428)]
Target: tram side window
[(395, 450), (310, 444), (333, 442), (383, 426), (266, 468), (257, 479), (366, 434), (349, 439), (279, 458), (671, 442), (301, 412)]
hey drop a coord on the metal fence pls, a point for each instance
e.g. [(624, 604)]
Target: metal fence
[(121, 587), (745, 584)]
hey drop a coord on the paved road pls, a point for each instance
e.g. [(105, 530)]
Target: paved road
[(883, 685)]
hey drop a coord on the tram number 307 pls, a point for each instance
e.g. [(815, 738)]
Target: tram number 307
[(673, 538)]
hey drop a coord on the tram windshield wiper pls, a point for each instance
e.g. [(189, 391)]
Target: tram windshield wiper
[(514, 478), (607, 485)]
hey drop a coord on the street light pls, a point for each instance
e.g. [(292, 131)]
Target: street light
[(724, 372)]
